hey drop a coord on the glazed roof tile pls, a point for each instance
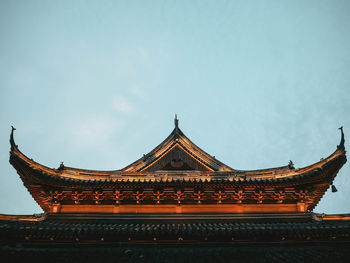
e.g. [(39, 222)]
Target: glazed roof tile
[(176, 229)]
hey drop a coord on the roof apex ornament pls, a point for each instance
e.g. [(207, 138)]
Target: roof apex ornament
[(61, 167), (12, 140), (341, 146), (176, 121), (291, 165)]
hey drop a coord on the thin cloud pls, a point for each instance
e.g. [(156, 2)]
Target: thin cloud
[(137, 91), (145, 56), (92, 132), (122, 105)]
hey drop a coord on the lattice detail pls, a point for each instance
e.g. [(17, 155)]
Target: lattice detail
[(118, 196), (224, 195), (219, 196), (179, 196), (77, 197), (52, 196), (159, 196), (238, 196), (258, 195), (139, 196), (98, 196), (279, 196), (302, 195), (198, 195)]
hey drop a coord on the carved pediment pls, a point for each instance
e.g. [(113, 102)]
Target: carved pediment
[(176, 153), (177, 159)]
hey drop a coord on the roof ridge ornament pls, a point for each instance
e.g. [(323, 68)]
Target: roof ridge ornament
[(291, 165), (176, 122), (341, 146), (61, 167), (12, 140)]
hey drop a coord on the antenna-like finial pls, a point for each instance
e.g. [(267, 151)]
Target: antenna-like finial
[(341, 146), (12, 140), (176, 121)]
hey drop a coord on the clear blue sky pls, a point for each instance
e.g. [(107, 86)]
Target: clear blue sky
[(96, 84)]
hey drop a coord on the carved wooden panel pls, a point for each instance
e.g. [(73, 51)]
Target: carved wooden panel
[(179, 196), (177, 159)]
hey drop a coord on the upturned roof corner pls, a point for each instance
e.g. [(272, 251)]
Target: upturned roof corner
[(341, 145), (12, 140)]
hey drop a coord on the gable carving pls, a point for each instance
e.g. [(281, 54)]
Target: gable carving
[(176, 159)]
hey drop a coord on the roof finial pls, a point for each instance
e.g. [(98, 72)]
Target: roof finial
[(12, 140), (291, 165), (61, 167), (341, 146), (176, 121)]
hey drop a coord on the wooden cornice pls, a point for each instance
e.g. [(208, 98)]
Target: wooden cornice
[(260, 186)]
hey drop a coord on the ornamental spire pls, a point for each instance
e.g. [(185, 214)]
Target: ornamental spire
[(176, 121)]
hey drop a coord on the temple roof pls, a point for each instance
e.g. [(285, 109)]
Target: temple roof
[(177, 159), (176, 165), (178, 195)]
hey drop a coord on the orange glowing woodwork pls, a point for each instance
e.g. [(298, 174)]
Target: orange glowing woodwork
[(219, 208), (178, 177)]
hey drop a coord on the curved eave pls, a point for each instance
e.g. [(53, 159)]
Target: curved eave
[(39, 167), (35, 175), (33, 172), (21, 161)]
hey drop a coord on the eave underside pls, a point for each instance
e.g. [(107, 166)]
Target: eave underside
[(72, 190), (57, 193)]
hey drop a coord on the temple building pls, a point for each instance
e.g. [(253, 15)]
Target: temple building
[(182, 201)]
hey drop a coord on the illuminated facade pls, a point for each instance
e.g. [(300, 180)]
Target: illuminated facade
[(182, 198), (178, 177)]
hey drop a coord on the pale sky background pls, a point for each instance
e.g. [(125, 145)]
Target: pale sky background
[(96, 84)]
